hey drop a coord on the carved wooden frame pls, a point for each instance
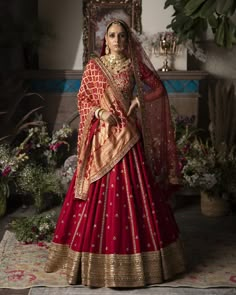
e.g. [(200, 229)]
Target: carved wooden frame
[(97, 12)]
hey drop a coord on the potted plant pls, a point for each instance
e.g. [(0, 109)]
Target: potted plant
[(213, 174), (210, 165)]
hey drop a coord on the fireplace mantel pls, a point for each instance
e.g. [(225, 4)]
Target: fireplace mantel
[(77, 74), (59, 88)]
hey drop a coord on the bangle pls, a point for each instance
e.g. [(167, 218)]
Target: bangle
[(101, 111), (96, 113)]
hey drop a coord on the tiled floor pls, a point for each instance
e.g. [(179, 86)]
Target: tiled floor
[(187, 211)]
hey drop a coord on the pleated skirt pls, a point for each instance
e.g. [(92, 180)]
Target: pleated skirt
[(123, 235)]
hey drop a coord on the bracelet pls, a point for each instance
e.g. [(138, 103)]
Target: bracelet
[(100, 113), (96, 113)]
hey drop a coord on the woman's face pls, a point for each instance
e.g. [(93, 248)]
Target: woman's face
[(116, 39)]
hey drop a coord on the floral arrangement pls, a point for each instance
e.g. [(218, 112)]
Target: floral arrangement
[(35, 228), (43, 148), (203, 166), (208, 170), (199, 170), (185, 132), (10, 162), (31, 164)]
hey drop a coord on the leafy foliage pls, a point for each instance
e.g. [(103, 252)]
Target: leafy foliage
[(192, 17), (41, 183), (16, 119), (35, 228)]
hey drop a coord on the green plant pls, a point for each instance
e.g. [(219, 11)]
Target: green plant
[(192, 17), (42, 184), (35, 228), (16, 118)]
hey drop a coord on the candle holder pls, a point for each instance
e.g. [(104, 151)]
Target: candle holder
[(166, 47)]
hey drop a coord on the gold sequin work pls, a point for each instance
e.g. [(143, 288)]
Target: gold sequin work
[(122, 74)]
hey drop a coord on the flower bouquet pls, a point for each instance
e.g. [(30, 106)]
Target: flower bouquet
[(208, 170), (200, 169), (34, 229)]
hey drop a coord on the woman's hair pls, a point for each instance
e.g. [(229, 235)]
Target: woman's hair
[(118, 22)]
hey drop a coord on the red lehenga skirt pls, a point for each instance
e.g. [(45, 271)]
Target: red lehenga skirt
[(123, 235)]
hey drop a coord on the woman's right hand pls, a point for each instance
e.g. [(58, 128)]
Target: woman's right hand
[(108, 117), (134, 104)]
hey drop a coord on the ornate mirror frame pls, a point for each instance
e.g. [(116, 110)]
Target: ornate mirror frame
[(98, 13)]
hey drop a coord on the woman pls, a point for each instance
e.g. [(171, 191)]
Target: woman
[(116, 228)]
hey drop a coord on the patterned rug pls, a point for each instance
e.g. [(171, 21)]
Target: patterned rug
[(140, 291), (212, 263)]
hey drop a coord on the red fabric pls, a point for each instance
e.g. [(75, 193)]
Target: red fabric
[(103, 223), (157, 130), (92, 88)]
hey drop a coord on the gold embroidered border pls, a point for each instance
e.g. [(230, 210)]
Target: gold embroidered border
[(80, 183), (116, 270)]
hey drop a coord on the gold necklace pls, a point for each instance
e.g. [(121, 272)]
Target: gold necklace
[(115, 63), (115, 60)]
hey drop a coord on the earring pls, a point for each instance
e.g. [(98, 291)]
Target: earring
[(107, 49)]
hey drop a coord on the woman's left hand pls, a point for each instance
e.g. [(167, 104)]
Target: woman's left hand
[(108, 117), (134, 103)]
